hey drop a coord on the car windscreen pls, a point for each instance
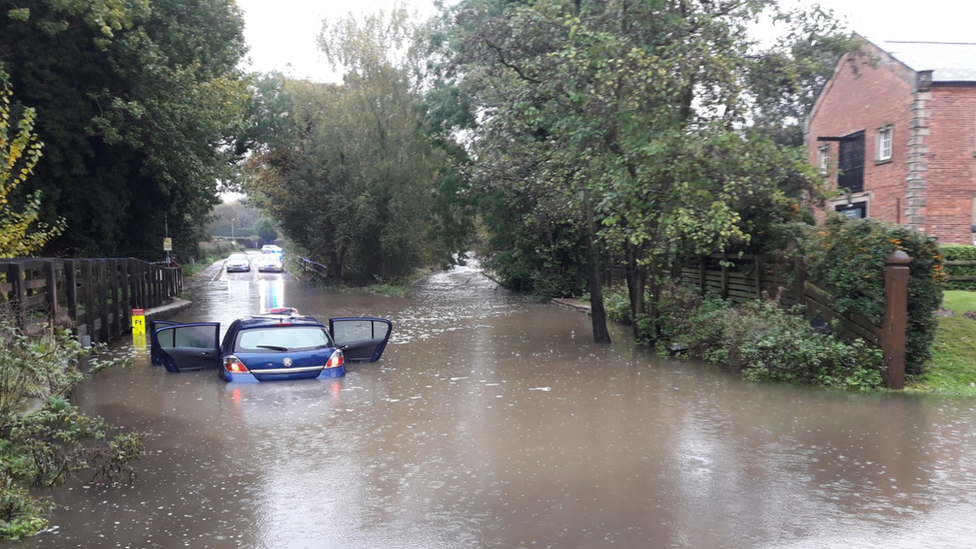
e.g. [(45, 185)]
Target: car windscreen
[(283, 338)]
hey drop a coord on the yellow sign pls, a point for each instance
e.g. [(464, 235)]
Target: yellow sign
[(139, 323), (167, 244)]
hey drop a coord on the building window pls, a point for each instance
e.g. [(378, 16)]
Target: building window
[(824, 159), (851, 162), (884, 143), (855, 210)]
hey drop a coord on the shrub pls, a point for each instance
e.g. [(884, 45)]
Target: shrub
[(616, 300), (959, 252), (42, 447), (846, 258), (763, 342)]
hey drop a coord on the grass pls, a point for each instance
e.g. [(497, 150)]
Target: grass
[(952, 369)]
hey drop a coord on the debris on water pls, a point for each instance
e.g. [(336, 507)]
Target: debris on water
[(547, 389)]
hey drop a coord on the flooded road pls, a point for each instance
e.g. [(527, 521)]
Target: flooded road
[(493, 421)]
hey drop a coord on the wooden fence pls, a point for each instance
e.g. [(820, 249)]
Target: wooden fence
[(960, 278), (94, 297), (752, 276)]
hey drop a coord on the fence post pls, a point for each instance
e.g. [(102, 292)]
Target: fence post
[(88, 283), (51, 281), (894, 324), (71, 292), (760, 271), (701, 274), (15, 276), (799, 281), (725, 276), (104, 335)]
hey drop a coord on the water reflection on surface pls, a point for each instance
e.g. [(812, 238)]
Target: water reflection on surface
[(492, 421)]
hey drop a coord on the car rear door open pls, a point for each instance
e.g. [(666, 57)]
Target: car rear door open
[(181, 347), (361, 339)]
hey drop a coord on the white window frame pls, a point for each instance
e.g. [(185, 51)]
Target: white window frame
[(885, 139), (824, 156)]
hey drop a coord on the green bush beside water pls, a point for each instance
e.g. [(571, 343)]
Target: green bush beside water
[(761, 340), (44, 438)]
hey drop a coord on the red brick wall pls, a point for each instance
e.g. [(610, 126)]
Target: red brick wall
[(866, 101), (951, 163)]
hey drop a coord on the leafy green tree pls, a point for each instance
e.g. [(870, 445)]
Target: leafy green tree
[(355, 181), (20, 234), (138, 104), (266, 229), (631, 116)]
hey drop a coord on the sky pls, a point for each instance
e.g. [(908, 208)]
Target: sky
[(282, 34)]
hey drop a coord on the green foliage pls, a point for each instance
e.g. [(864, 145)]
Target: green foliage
[(622, 124), (19, 153), (354, 180), (959, 252), (617, 303), (846, 258), (43, 437), (952, 369), (138, 103), (266, 229), (764, 342)]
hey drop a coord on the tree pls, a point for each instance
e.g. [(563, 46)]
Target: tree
[(266, 229), (20, 233), (631, 115), (355, 180), (137, 106)]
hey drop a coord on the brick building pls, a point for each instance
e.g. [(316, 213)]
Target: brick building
[(897, 128)]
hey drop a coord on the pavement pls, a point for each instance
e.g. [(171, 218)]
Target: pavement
[(577, 304), (168, 310)]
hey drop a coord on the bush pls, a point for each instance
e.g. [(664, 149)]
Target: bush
[(44, 446), (959, 252), (846, 258), (763, 342)]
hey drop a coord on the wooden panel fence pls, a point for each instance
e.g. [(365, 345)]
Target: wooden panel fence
[(93, 297), (752, 276), (960, 278)]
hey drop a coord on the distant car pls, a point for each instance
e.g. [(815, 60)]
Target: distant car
[(237, 263), (270, 262), (270, 347), (271, 248)]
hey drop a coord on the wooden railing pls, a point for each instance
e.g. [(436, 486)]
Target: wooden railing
[(752, 277), (94, 297)]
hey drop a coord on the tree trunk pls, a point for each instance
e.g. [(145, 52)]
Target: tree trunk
[(636, 277), (598, 313)]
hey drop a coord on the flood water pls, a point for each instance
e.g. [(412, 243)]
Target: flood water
[(493, 421)]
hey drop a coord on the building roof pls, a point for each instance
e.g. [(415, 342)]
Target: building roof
[(948, 61)]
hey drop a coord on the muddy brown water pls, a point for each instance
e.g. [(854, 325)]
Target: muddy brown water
[(493, 421)]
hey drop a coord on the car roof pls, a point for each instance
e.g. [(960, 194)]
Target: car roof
[(272, 320)]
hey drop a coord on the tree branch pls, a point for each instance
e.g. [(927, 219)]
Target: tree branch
[(501, 58)]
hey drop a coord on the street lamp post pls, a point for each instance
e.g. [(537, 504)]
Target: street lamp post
[(232, 228)]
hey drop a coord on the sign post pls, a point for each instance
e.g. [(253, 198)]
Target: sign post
[(139, 328), (167, 247), (139, 322)]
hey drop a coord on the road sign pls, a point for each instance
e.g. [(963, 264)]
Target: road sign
[(139, 323), (167, 244)]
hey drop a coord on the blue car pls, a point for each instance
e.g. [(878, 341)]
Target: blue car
[(276, 346)]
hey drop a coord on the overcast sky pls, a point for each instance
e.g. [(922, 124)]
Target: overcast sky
[(281, 34)]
